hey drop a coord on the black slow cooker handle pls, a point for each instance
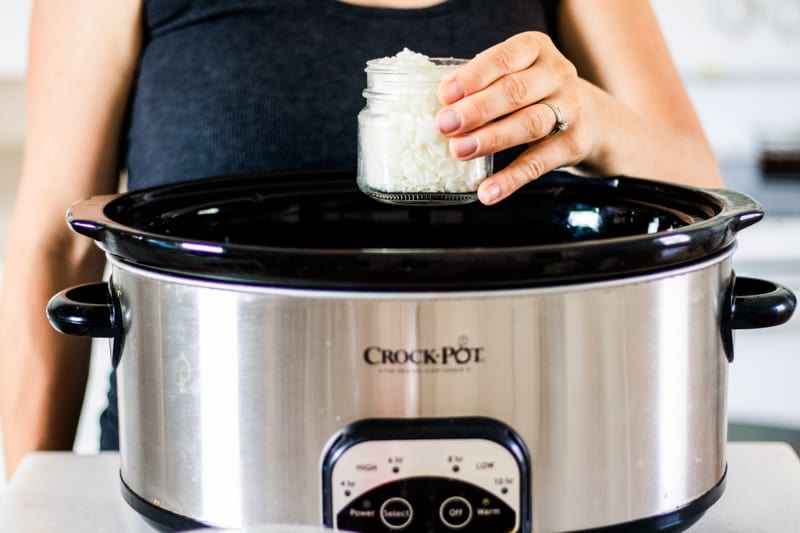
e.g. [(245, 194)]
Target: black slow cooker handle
[(84, 310), (758, 303), (88, 310), (754, 303)]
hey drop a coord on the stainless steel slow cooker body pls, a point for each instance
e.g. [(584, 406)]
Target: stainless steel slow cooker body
[(609, 393), (229, 394)]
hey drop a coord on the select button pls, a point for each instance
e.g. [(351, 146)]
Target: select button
[(396, 513), (455, 512)]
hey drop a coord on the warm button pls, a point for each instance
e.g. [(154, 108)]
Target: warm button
[(455, 512), (396, 513)]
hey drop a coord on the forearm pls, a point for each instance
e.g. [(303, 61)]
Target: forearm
[(641, 120), (82, 59), (625, 143), (42, 372)]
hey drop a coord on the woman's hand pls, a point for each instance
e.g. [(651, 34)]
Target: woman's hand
[(623, 107), (500, 99)]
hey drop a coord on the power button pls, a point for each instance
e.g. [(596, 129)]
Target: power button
[(455, 512), (396, 513)]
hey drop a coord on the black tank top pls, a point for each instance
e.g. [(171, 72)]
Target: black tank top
[(246, 86), (231, 87)]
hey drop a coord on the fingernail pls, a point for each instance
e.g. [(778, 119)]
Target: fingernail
[(490, 193), (448, 121), (452, 91), (463, 146)]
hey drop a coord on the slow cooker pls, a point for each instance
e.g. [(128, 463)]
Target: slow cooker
[(288, 350)]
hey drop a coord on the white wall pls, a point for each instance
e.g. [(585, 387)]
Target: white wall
[(740, 60), (14, 15), (717, 38)]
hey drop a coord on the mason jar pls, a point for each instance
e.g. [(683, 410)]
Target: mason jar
[(402, 156)]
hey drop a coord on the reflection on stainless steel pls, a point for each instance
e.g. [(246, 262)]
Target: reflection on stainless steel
[(218, 378), (674, 385), (228, 394)]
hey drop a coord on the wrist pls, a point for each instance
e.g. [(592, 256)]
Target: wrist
[(600, 126)]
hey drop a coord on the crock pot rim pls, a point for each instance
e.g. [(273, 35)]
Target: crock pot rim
[(425, 268)]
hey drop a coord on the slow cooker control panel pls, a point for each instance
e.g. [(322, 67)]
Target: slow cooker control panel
[(427, 478)]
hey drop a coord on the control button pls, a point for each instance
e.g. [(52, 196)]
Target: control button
[(396, 513), (455, 512)]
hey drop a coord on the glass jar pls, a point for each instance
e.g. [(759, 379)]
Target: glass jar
[(402, 156)]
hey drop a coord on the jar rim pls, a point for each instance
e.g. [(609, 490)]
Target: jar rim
[(379, 65)]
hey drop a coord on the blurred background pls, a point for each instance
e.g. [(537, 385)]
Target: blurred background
[(740, 60)]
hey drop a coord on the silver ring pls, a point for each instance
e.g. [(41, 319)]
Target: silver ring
[(561, 124)]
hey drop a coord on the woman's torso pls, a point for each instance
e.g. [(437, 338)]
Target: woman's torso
[(252, 86), (249, 86)]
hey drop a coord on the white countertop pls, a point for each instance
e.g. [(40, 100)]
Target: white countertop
[(66, 493)]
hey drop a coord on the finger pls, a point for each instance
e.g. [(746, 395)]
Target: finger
[(512, 55), (504, 96), (527, 125), (555, 152)]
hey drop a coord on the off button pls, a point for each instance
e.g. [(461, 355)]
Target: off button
[(396, 513), (455, 512)]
